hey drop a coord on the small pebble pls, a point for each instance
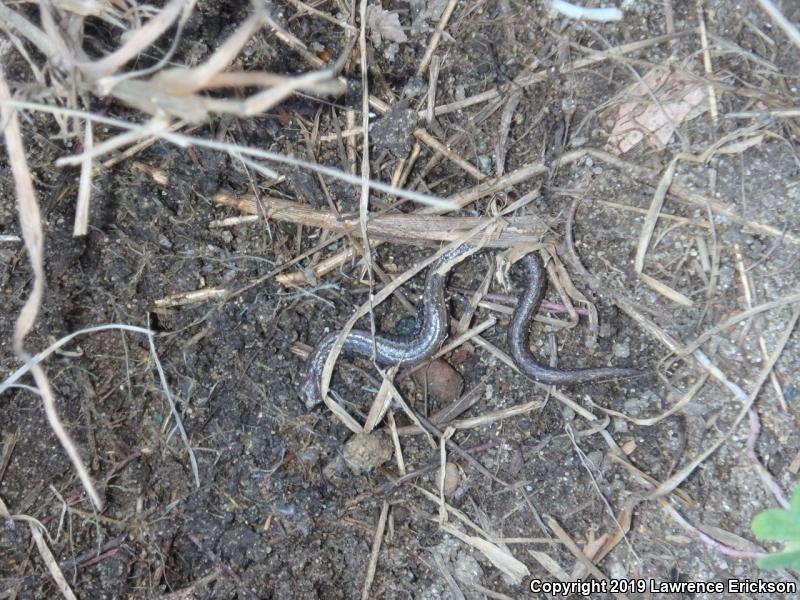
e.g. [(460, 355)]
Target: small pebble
[(452, 478), (443, 383), (485, 164), (622, 349), (415, 86)]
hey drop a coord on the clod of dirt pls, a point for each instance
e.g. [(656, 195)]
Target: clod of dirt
[(443, 383), (365, 451), (393, 131)]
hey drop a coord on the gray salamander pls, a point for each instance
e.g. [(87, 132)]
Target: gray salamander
[(404, 350), (536, 285)]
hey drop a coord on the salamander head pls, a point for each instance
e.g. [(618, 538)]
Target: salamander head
[(310, 392)]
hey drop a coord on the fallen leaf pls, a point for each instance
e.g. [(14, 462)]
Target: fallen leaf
[(666, 100), (384, 24)]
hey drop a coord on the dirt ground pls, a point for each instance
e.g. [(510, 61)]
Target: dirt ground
[(277, 511)]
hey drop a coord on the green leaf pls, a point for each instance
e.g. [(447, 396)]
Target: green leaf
[(777, 524), (796, 500), (788, 559)]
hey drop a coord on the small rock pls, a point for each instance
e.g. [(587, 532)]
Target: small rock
[(622, 349), (467, 568), (309, 456), (443, 383), (365, 451), (461, 354), (595, 458), (415, 86), (452, 478), (485, 164), (790, 393), (648, 401), (617, 570)]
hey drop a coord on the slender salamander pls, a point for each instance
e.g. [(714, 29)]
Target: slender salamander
[(405, 350), (431, 330), (528, 304)]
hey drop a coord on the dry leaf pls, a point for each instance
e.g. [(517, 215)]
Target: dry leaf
[(678, 98), (384, 24)]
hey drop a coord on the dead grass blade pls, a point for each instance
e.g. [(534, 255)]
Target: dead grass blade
[(382, 402), (409, 228), (44, 550), (455, 591), (704, 537), (433, 43), (788, 28), (32, 234), (666, 291), (737, 318), (35, 360), (181, 81), (500, 558), (185, 141), (363, 205), (137, 42), (577, 553), (440, 479), (376, 548), (649, 224), (680, 475), (174, 410), (81, 225), (549, 564), (648, 422)]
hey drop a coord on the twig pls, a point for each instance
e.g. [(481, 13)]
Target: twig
[(434, 144), (84, 187), (712, 94), (376, 548), (186, 141), (433, 43)]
